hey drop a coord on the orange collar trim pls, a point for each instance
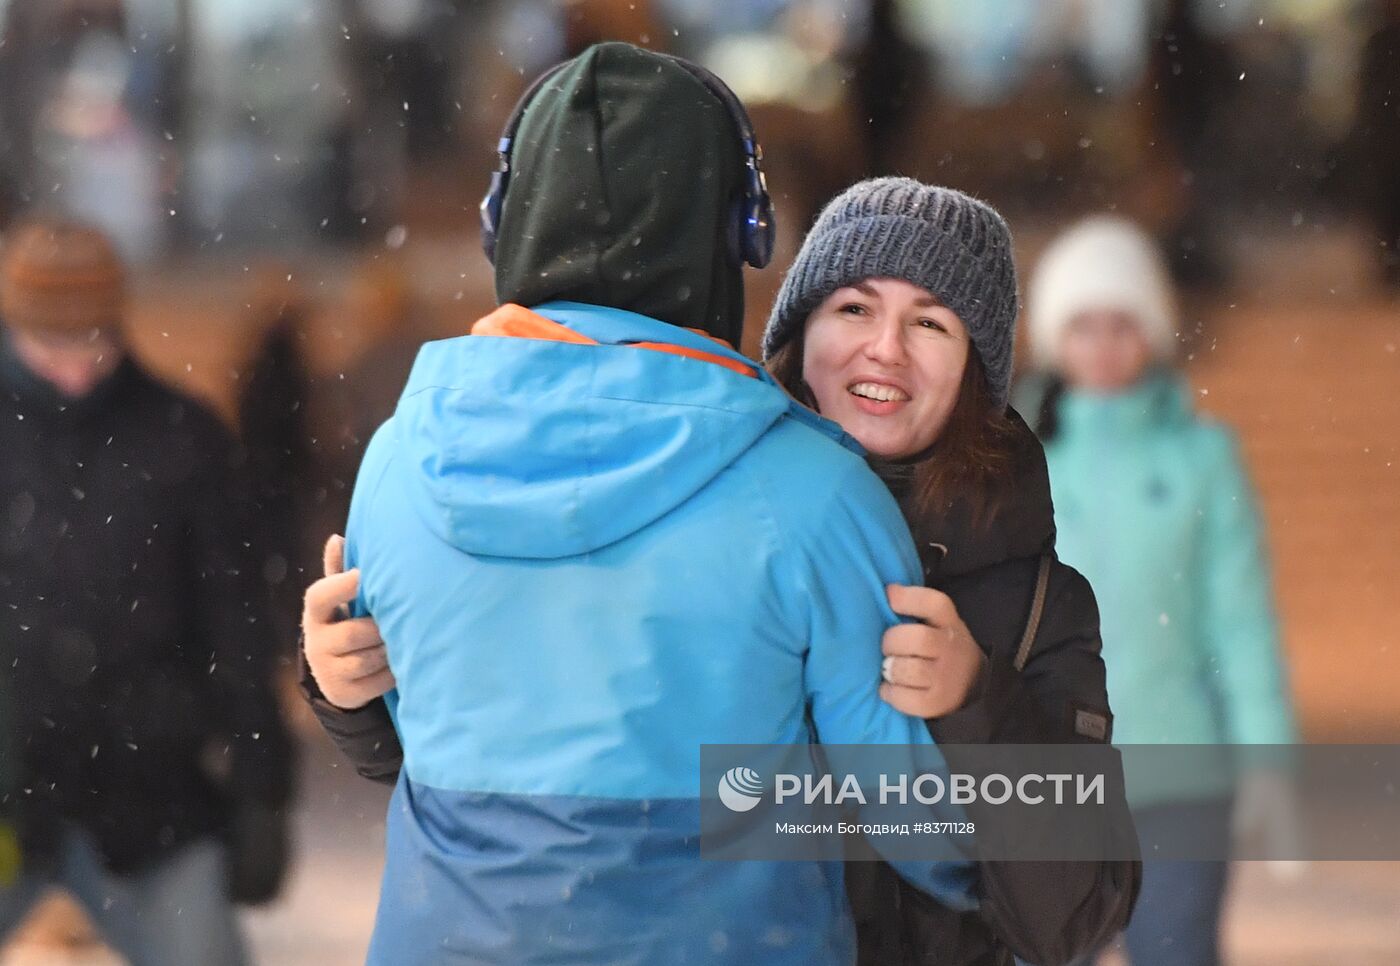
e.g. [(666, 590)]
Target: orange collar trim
[(516, 321)]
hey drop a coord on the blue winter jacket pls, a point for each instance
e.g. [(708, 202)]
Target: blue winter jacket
[(586, 561)]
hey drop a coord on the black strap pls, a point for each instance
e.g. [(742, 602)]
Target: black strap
[(1042, 581)]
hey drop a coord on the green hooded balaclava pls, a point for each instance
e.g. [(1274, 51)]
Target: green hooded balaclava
[(624, 174)]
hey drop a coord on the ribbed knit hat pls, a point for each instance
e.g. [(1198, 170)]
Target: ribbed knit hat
[(946, 242), (1103, 262), (60, 276)]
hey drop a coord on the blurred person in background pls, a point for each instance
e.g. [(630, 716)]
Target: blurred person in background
[(1153, 506), (1192, 75), (82, 112), (1378, 128), (39, 41), (154, 766), (891, 80), (272, 421), (406, 68)]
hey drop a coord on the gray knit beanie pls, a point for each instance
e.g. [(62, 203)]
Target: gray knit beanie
[(949, 243)]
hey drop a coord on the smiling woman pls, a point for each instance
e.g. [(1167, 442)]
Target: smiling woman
[(951, 409), (896, 321), (907, 290), (896, 368), (884, 358)]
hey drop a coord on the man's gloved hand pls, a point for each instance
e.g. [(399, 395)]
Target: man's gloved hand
[(1267, 817), (258, 852)]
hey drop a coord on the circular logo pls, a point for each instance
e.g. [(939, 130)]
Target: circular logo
[(740, 789)]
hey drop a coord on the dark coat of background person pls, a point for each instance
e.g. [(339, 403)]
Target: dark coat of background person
[(135, 650), (1045, 912), (272, 419)]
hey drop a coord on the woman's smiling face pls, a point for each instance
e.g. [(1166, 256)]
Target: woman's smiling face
[(885, 358)]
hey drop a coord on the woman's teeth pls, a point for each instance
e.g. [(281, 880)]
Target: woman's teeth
[(874, 390)]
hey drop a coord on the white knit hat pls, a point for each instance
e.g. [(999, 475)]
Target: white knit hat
[(1102, 262)]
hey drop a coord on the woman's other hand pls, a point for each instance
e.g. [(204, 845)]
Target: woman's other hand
[(931, 668), (346, 656)]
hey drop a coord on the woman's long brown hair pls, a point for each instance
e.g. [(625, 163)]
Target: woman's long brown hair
[(972, 461)]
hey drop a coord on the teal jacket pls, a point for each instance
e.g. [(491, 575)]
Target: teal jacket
[(1154, 507)]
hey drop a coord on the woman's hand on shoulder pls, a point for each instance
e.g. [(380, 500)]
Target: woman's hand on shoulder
[(931, 668), (346, 656)]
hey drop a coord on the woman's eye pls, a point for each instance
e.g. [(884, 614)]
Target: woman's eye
[(931, 324), (852, 308)]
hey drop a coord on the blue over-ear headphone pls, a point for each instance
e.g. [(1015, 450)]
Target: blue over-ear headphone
[(751, 229)]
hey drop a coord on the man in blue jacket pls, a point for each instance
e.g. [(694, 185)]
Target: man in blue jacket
[(595, 537)]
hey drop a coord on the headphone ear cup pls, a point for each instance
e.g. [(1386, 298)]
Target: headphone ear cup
[(491, 205), (734, 232), (750, 232), (760, 232)]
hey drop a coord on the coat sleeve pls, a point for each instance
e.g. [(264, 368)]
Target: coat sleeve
[(861, 545), (365, 736), (1051, 912), (238, 654), (849, 551), (1238, 621)]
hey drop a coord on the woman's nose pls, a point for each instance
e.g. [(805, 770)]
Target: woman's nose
[(886, 343)]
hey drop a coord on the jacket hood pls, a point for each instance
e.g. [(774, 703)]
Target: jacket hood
[(538, 449), (953, 543), (624, 175)]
